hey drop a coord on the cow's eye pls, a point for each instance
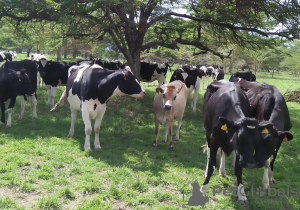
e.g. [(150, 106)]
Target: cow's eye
[(174, 98)]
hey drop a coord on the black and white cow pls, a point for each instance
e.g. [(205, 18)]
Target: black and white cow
[(153, 71), (88, 90), (249, 76), (218, 73), (7, 57), (54, 74), (17, 78), (228, 126), (111, 65), (192, 79), (268, 105), (208, 73), (38, 58)]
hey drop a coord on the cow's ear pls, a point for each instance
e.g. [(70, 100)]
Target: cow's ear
[(264, 128), (159, 90), (285, 136), (225, 123)]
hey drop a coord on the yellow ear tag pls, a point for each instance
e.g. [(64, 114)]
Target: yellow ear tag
[(265, 131), (159, 92), (224, 127), (19, 79), (175, 76), (285, 139)]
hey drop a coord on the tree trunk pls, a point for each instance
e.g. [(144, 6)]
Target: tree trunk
[(28, 51), (59, 54), (134, 61)]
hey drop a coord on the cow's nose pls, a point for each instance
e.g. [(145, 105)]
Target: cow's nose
[(168, 107)]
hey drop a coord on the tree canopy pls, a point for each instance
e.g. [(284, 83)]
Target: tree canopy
[(136, 25)]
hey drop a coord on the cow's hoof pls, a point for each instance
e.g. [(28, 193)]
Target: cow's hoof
[(20, 118), (8, 126), (70, 135), (87, 149), (222, 174), (154, 145), (171, 147), (164, 140), (243, 202), (272, 181), (1, 123), (177, 139), (98, 148)]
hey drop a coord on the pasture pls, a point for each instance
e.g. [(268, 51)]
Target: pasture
[(40, 168)]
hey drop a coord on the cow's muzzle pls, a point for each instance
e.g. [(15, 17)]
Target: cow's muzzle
[(167, 107)]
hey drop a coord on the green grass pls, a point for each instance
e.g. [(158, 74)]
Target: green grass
[(40, 168)]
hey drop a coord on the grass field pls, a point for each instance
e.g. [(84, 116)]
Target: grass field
[(40, 168)]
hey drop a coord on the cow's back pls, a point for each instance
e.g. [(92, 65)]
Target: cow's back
[(267, 104)]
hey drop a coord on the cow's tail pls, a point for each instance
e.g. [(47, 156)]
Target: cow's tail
[(63, 97)]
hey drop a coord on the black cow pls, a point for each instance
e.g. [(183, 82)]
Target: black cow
[(17, 78), (88, 90), (208, 73), (192, 79), (112, 65), (154, 71), (268, 105), (249, 76), (228, 126), (54, 74)]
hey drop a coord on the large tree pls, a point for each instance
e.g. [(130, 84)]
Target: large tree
[(136, 25)]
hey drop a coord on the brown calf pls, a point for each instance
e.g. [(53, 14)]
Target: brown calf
[(169, 104)]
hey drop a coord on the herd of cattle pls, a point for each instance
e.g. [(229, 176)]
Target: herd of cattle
[(242, 117)]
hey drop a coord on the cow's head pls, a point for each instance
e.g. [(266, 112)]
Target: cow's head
[(217, 74), (177, 75), (246, 136), (43, 64), (270, 139), (169, 93), (23, 83), (130, 86)]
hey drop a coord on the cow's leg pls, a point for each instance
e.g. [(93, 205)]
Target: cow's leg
[(170, 134), (33, 101), (233, 158), (38, 79), (2, 113), (266, 176), (271, 177), (23, 104), (9, 110), (271, 173), (222, 164), (178, 128), (156, 132), (97, 128), (87, 128), (196, 94), (49, 93), (191, 97), (211, 162), (240, 191), (52, 95), (73, 121), (166, 131)]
